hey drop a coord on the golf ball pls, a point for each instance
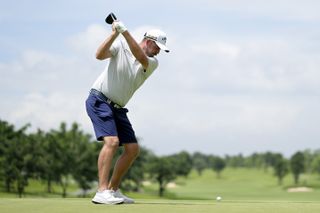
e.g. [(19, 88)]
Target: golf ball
[(219, 198)]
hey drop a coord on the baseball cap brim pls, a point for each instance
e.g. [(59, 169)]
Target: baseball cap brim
[(162, 47)]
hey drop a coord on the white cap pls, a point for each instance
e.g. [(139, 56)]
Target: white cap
[(159, 37)]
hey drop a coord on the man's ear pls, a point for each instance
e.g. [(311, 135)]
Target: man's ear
[(148, 41)]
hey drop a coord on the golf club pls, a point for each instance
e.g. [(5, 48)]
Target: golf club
[(111, 18)]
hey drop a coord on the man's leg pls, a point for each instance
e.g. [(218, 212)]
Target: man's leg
[(104, 195), (131, 151), (105, 161)]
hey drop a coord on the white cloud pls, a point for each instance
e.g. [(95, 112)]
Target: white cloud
[(194, 113), (283, 10), (48, 111), (252, 66), (88, 41)]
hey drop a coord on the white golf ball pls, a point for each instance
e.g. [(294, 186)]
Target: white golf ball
[(219, 198)]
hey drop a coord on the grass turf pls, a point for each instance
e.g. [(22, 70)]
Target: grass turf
[(244, 185), (242, 190), (82, 205)]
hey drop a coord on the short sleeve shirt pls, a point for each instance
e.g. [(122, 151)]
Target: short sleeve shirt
[(123, 75)]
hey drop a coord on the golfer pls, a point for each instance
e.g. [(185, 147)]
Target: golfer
[(130, 64)]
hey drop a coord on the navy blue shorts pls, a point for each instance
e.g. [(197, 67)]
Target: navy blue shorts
[(108, 120)]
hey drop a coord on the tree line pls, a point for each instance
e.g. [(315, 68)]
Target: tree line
[(301, 162), (68, 154)]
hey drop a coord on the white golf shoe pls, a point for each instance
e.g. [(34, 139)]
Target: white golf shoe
[(107, 197), (126, 199)]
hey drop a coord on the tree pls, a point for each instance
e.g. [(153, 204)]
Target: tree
[(255, 160), (14, 158), (308, 158), (297, 165), (235, 161), (162, 169), (37, 155), (7, 136), (50, 164), (61, 162), (199, 162), (280, 168), (269, 160), (84, 171), (20, 160), (316, 164), (182, 163), (218, 164)]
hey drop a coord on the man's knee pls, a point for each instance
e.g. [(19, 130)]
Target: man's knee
[(111, 142), (132, 149)]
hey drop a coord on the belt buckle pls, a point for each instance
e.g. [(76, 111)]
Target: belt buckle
[(116, 106), (113, 104), (109, 101)]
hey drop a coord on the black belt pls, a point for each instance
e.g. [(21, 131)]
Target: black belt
[(105, 98)]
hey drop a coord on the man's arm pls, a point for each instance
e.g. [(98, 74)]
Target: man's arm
[(135, 48), (103, 51)]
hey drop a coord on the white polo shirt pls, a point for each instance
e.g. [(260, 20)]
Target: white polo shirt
[(124, 74)]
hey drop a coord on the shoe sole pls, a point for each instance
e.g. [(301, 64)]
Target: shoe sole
[(95, 202)]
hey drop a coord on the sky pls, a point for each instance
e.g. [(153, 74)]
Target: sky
[(242, 76)]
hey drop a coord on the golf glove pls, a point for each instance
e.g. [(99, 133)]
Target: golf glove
[(120, 26)]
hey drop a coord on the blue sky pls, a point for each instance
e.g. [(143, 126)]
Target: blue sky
[(242, 76)]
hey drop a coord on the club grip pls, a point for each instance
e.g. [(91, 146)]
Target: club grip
[(110, 18)]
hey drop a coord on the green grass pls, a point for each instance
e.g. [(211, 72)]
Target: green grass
[(78, 205), (243, 184), (242, 190), (37, 188)]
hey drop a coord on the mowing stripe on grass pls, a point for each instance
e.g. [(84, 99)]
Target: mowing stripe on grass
[(78, 205)]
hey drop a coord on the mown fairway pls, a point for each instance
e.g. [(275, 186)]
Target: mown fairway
[(242, 190), (55, 205), (245, 185)]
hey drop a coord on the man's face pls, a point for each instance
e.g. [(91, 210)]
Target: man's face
[(152, 48)]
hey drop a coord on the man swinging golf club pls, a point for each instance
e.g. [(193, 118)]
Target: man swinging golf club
[(130, 64)]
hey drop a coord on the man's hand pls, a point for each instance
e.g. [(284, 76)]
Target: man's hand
[(119, 26)]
